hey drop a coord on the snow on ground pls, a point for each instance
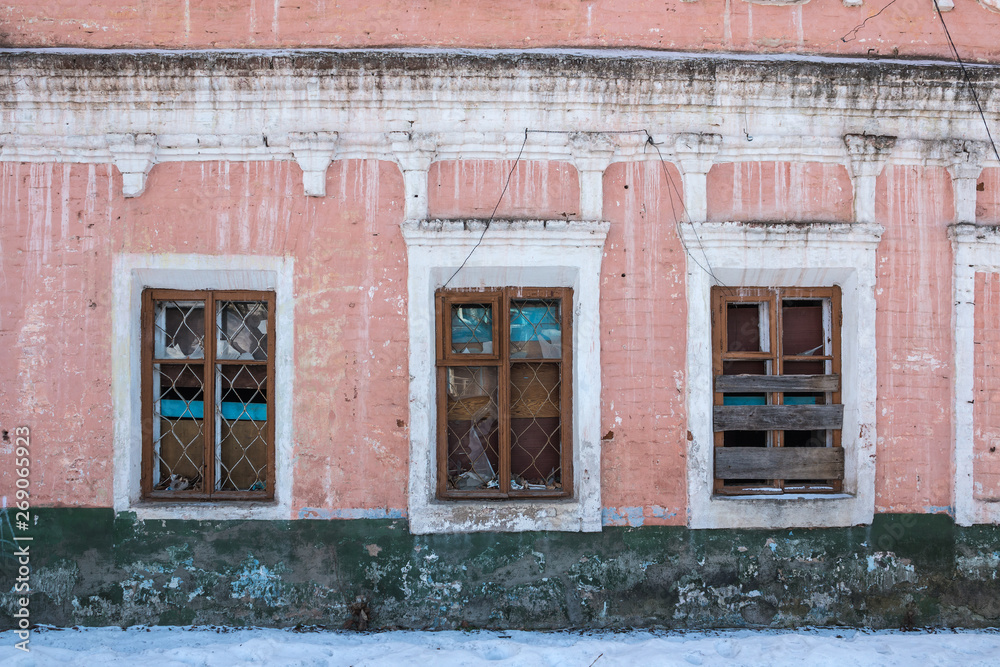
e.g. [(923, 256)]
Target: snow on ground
[(226, 647)]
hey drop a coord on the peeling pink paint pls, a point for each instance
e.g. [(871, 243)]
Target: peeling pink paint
[(779, 191), (986, 409), (988, 197), (643, 335), (907, 28), (915, 340), (471, 189)]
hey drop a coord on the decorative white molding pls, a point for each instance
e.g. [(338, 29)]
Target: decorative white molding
[(314, 151), (854, 3), (976, 249), (592, 153), (414, 154), (991, 5), (695, 153), (815, 254), (527, 253), (868, 155), (777, 2), (131, 273), (134, 155), (944, 5), (966, 164), (468, 105)]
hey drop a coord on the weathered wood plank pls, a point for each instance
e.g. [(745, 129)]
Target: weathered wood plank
[(779, 463), (766, 383), (777, 417)]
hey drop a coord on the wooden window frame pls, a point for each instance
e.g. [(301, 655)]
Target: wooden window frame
[(210, 361), (797, 462), (500, 298)]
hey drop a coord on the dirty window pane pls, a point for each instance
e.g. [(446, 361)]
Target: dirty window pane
[(535, 426), (746, 327), (242, 330), (472, 430), (241, 428), (179, 329), (178, 427), (802, 330), (535, 330), (471, 328)]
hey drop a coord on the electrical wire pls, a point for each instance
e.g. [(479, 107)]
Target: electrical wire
[(493, 214), (968, 81)]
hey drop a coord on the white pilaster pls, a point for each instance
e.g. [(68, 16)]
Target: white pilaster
[(134, 155), (868, 154), (314, 151), (695, 154)]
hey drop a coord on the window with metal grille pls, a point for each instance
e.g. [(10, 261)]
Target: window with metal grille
[(778, 412), (207, 395), (504, 391)]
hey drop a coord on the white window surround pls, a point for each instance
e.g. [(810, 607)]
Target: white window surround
[(523, 253), (131, 273), (976, 249), (791, 255)]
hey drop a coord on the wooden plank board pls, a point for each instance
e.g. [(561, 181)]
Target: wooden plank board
[(777, 417), (779, 463), (783, 383)]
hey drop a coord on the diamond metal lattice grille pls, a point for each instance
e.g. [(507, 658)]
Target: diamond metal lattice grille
[(178, 418), (241, 411), (471, 328), (473, 431), (242, 330), (535, 424), (535, 329), (179, 330)]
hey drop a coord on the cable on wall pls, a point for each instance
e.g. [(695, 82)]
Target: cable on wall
[(968, 81)]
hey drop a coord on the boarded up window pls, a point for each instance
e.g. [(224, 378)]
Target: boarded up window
[(778, 412)]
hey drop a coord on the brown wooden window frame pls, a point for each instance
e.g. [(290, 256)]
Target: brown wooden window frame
[(809, 469), (210, 362), (500, 299)]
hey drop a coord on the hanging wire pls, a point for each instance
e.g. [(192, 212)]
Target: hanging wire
[(707, 267), (493, 214), (968, 81)]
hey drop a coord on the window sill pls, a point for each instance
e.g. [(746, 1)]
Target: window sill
[(222, 510), (786, 496), (466, 516)]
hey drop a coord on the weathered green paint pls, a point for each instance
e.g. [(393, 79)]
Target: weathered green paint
[(92, 567)]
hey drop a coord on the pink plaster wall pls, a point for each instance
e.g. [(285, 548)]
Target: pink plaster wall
[(771, 191), (351, 379), (471, 188), (643, 354), (988, 198), (55, 319), (906, 28), (915, 340), (986, 409), (63, 224)]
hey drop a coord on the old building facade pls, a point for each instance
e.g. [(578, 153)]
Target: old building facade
[(579, 314)]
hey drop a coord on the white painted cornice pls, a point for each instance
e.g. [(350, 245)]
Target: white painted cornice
[(590, 108)]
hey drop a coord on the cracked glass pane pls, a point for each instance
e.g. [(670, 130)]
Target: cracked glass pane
[(242, 330), (241, 427), (471, 328), (535, 425), (473, 431), (535, 330), (179, 329), (178, 427)]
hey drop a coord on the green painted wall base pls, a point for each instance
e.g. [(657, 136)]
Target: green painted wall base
[(91, 567)]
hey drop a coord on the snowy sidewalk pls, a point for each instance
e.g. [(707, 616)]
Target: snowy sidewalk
[(223, 647)]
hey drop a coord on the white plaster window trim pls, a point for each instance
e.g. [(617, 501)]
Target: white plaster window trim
[(976, 249), (528, 254), (131, 274), (790, 255)]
